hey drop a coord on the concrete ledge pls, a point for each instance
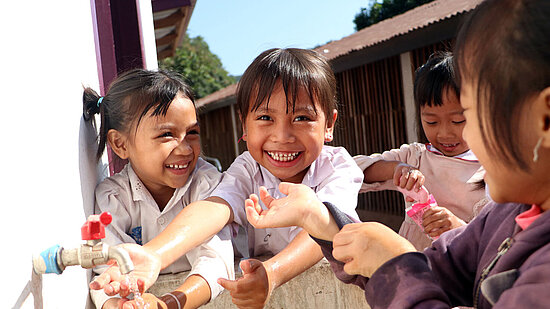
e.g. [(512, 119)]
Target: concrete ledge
[(316, 288)]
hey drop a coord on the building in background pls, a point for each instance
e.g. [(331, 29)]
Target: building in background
[(374, 69)]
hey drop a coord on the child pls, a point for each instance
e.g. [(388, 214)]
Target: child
[(287, 104), (445, 166), (502, 257), (149, 118)]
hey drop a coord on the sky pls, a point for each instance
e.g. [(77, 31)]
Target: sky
[(239, 30)]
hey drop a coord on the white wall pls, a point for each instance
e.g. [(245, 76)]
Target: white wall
[(47, 52)]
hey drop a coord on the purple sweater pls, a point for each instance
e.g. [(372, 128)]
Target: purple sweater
[(448, 273)]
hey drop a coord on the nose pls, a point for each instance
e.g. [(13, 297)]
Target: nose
[(445, 130), (183, 147), (283, 133)]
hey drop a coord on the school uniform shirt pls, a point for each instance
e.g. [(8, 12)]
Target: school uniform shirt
[(333, 176), (493, 262), (137, 219), (451, 180)]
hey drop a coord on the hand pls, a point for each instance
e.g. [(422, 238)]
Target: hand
[(146, 270), (364, 247), (148, 301), (300, 207), (408, 177), (252, 290), (436, 220), (113, 303)]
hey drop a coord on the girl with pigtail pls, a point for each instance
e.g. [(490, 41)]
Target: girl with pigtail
[(149, 118)]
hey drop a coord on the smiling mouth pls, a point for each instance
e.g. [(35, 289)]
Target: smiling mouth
[(177, 166), (283, 156), (449, 145)]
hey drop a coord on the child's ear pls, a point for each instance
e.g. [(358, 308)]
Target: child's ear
[(118, 143), (543, 121), (330, 127), (243, 124)]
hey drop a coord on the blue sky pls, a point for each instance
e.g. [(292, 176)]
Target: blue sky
[(239, 30)]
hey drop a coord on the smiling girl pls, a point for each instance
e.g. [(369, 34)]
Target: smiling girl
[(445, 165), (287, 104), (149, 118)]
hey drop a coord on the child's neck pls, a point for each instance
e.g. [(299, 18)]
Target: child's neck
[(162, 197)]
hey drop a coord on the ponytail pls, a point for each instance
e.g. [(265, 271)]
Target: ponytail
[(92, 104)]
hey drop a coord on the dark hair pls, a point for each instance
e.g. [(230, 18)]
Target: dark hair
[(130, 97), (507, 63), (296, 69), (431, 82)]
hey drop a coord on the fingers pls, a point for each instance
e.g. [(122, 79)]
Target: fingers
[(229, 285), (250, 265), (252, 213), (265, 197), (99, 282), (407, 177), (436, 221)]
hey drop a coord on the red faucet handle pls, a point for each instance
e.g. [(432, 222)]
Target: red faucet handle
[(105, 218), (94, 228)]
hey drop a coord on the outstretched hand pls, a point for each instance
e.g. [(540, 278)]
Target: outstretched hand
[(364, 247), (146, 270), (300, 207), (253, 289)]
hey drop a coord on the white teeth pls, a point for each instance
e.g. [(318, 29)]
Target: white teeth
[(178, 166), (283, 156)]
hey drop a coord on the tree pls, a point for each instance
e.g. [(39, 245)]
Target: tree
[(202, 69), (379, 11)]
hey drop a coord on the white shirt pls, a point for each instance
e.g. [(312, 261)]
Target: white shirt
[(334, 177), (137, 219)]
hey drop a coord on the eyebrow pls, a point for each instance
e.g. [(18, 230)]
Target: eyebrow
[(169, 125), (434, 114), (307, 108)]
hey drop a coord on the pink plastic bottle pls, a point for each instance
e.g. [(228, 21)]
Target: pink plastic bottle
[(424, 200)]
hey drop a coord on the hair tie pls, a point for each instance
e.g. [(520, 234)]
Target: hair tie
[(99, 101)]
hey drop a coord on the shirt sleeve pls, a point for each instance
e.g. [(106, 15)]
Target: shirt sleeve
[(108, 198), (111, 197), (214, 259), (206, 180), (341, 186), (341, 219), (442, 277), (236, 185), (409, 154)]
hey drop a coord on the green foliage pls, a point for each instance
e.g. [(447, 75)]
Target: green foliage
[(201, 68), (379, 11)]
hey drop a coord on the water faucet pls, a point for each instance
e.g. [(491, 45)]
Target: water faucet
[(93, 253)]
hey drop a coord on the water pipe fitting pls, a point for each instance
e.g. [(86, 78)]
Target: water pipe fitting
[(93, 253)]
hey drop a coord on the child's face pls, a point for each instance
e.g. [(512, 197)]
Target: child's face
[(506, 182), (164, 150), (287, 143), (443, 125)]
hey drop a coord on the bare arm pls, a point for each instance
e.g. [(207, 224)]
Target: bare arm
[(196, 223), (300, 254), (380, 171)]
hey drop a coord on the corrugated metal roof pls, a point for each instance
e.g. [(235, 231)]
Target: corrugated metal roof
[(409, 21), (218, 95)]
